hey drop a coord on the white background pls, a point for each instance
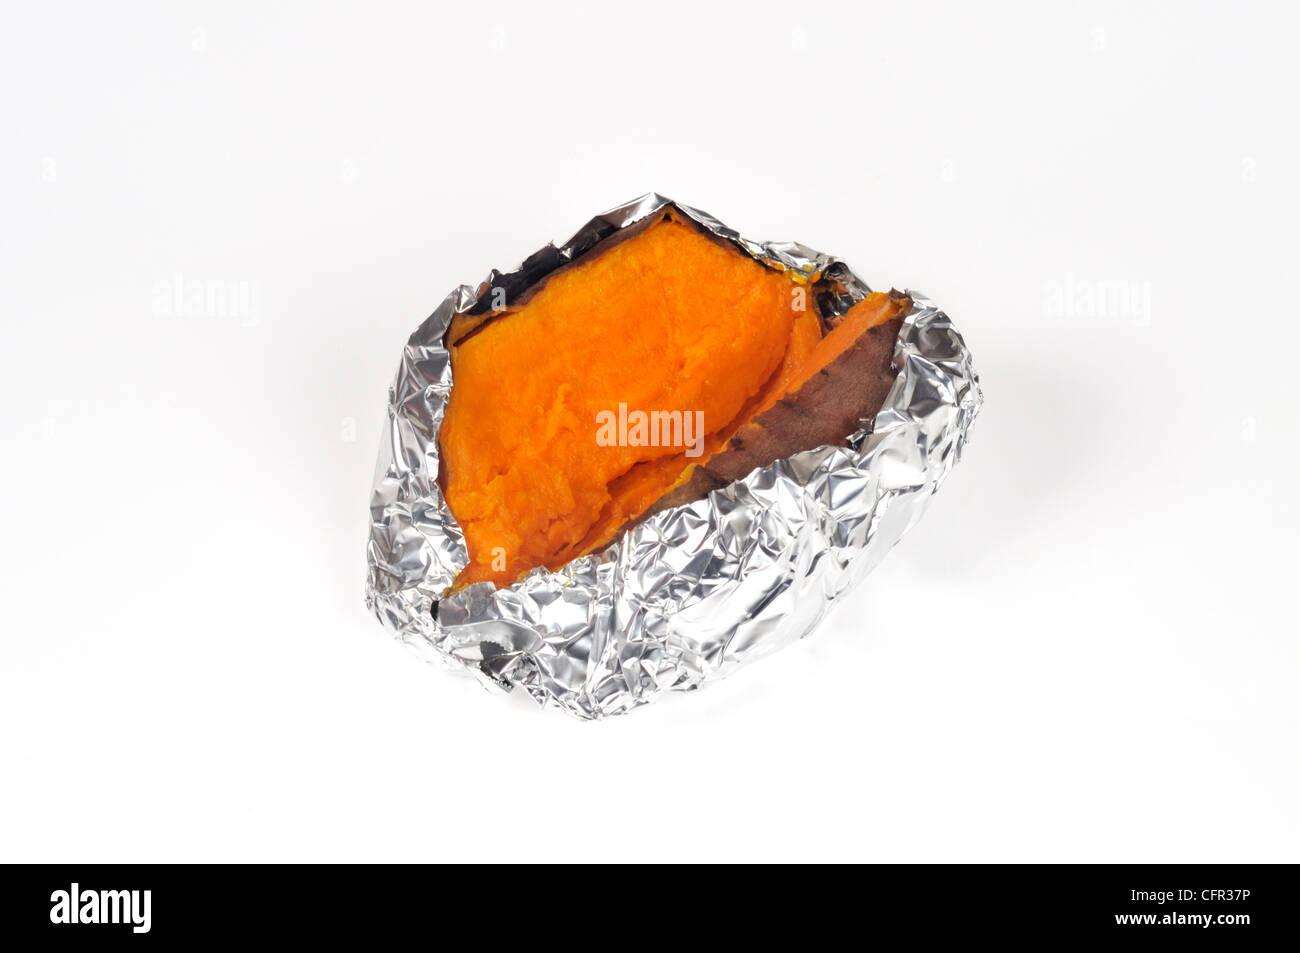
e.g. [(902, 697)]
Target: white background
[(1085, 652)]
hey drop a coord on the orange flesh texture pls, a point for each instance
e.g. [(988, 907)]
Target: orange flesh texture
[(667, 320)]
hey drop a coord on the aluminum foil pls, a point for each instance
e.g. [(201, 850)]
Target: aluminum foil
[(693, 593)]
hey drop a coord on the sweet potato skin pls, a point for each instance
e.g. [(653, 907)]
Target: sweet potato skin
[(825, 411)]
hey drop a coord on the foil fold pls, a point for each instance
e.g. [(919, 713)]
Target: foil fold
[(693, 593)]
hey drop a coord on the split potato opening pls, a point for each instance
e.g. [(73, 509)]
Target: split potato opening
[(660, 366)]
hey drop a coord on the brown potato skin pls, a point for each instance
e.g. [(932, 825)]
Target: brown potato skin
[(825, 411)]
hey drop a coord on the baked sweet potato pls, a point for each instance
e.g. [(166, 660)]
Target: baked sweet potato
[(660, 366)]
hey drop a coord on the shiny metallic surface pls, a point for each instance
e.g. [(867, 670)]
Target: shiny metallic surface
[(693, 593)]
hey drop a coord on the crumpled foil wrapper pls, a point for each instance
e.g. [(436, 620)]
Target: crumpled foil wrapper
[(693, 593)]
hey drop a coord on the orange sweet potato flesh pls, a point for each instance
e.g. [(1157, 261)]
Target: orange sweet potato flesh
[(665, 318)]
